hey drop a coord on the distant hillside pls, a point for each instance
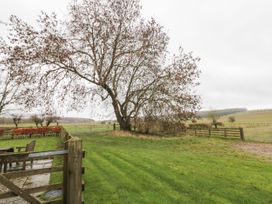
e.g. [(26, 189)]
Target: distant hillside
[(8, 120), (221, 112), (253, 116), (75, 120)]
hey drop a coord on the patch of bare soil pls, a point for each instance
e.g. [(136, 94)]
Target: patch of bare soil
[(256, 148)]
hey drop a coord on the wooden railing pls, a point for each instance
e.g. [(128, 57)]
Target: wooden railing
[(217, 132), (211, 132), (72, 185), (17, 133), (6, 132)]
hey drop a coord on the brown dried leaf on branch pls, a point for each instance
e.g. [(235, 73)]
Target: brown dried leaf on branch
[(105, 49)]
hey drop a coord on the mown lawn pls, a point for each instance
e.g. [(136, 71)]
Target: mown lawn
[(42, 143), (126, 169), (123, 169)]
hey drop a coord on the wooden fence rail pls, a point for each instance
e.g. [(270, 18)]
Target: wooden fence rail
[(72, 185), (17, 133), (218, 132), (211, 132)]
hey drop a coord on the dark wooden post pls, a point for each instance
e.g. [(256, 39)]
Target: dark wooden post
[(114, 126), (242, 136), (210, 132), (73, 172), (225, 132), (195, 132)]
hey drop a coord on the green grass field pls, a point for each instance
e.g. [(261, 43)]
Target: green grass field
[(122, 169), (125, 169), (257, 124), (42, 143)]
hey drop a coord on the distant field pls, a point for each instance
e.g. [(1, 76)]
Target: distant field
[(248, 117), (257, 124)]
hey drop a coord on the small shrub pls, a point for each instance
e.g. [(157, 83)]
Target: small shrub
[(150, 125), (217, 124), (171, 127), (38, 120), (194, 121), (199, 126), (232, 119)]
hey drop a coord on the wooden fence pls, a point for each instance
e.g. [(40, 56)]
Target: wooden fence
[(72, 170), (6, 132), (17, 133), (211, 132), (218, 132)]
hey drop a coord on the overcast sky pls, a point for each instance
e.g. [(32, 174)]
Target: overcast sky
[(233, 38)]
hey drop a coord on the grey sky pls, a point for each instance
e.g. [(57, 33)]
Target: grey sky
[(232, 37)]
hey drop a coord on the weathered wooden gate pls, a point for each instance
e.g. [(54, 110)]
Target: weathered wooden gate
[(72, 185), (218, 132)]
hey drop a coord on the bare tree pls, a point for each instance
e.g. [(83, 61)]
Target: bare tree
[(232, 119), (16, 119), (38, 120), (12, 91), (50, 119), (214, 117), (105, 49)]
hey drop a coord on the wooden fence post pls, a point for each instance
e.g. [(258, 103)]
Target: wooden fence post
[(210, 133), (225, 132), (63, 134), (65, 175), (242, 136), (114, 126), (73, 172)]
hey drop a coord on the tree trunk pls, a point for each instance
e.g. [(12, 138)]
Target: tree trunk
[(123, 121), (125, 125)]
